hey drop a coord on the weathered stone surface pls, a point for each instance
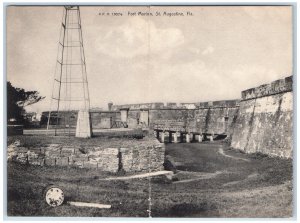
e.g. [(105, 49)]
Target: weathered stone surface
[(36, 161), (143, 158), (53, 154), (67, 151), (107, 159), (32, 155), (22, 149), (90, 165), (134, 159), (12, 152), (265, 125), (50, 161), (62, 161), (276, 87), (22, 155), (22, 158), (36, 150), (54, 146), (98, 151), (78, 163), (79, 158)]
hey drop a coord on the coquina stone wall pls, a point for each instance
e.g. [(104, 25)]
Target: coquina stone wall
[(265, 120), (215, 117), (133, 159), (207, 117)]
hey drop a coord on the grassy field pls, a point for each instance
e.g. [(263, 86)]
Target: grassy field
[(102, 139), (210, 180)]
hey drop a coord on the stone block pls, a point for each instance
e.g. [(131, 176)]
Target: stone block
[(68, 148), (50, 153), (36, 161), (65, 155), (32, 155), (78, 163), (81, 155), (36, 150), (50, 161), (78, 158), (90, 165), (77, 151), (22, 149), (57, 149), (111, 151), (96, 149), (23, 160), (62, 161), (123, 150), (22, 155), (67, 151), (11, 155), (54, 146)]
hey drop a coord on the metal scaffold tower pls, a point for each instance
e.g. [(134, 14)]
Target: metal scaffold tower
[(70, 101)]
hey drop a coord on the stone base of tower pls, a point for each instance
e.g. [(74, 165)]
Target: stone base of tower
[(83, 127)]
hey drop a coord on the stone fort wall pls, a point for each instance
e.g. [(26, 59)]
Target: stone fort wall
[(261, 121), (265, 120), (207, 117)]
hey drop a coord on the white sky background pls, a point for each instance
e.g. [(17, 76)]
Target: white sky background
[(212, 55)]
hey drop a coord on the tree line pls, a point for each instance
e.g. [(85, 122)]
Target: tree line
[(17, 100)]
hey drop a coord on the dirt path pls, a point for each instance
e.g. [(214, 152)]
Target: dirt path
[(221, 151), (144, 175), (201, 176)]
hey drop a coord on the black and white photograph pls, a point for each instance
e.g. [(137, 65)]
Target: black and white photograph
[(149, 111)]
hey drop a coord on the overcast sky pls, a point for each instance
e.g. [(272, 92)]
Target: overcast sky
[(212, 55)]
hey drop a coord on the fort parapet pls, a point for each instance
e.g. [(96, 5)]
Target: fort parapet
[(276, 87)]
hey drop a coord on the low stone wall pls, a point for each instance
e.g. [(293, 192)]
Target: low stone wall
[(143, 159), (115, 159)]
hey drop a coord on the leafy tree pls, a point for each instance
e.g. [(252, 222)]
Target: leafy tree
[(18, 99)]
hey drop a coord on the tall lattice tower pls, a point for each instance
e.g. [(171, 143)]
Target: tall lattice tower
[(70, 101)]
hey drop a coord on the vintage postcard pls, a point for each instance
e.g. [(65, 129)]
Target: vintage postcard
[(149, 111)]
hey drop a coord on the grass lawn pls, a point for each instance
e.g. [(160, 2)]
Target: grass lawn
[(205, 184), (103, 139)]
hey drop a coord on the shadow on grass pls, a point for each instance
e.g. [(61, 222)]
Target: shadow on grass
[(203, 209)]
